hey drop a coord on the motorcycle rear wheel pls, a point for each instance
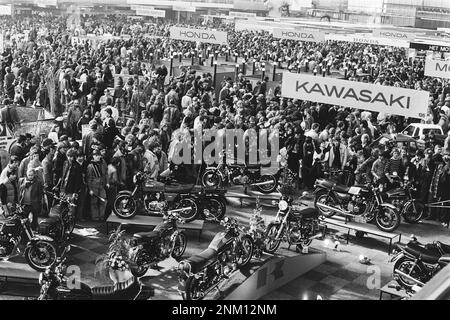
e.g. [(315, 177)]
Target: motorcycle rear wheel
[(217, 207), (324, 198), (125, 207), (413, 211), (179, 246), (188, 215), (192, 291), (268, 188), (40, 255), (405, 265), (272, 245), (211, 179), (387, 219)]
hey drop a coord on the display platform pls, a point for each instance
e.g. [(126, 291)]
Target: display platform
[(365, 228), (250, 194), (17, 272), (259, 277), (149, 221)]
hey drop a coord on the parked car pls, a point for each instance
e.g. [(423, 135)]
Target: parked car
[(420, 131), (398, 140)]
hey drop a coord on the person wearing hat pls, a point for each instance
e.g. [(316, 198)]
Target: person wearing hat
[(96, 179), (19, 148), (88, 139)]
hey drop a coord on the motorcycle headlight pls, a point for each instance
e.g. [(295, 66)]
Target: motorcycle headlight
[(283, 205), (184, 267)]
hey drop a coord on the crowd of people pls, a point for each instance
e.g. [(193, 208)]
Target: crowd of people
[(103, 137)]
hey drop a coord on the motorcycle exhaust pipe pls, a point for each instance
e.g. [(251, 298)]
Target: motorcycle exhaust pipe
[(317, 236), (180, 209), (262, 183), (329, 208), (396, 271)]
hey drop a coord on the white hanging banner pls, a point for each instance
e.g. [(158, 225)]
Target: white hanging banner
[(207, 36), (299, 35), (151, 12), (355, 38), (5, 10), (359, 95), (393, 34), (437, 68), (236, 14)]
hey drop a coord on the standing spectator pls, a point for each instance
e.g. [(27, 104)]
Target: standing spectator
[(30, 196), (96, 179)]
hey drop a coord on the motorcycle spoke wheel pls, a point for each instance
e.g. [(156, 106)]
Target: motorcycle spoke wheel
[(323, 198), (41, 255), (216, 208), (188, 215), (142, 264), (124, 207), (211, 179), (245, 252), (268, 188), (179, 246), (271, 245), (407, 266), (413, 212)]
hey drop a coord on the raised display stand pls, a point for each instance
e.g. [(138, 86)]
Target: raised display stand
[(148, 221), (364, 228), (258, 278), (250, 194), (19, 273)]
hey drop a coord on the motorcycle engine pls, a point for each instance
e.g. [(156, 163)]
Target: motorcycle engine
[(155, 203), (226, 259), (7, 244), (356, 205), (241, 179), (165, 247)]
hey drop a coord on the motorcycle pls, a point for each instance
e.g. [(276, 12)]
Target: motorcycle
[(211, 202), (416, 263), (257, 231), (61, 219), (228, 251), (240, 174), (361, 202), (54, 285), (153, 197), (149, 248), (40, 250), (294, 225), (405, 199)]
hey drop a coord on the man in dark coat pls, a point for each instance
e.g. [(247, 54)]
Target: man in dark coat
[(72, 177), (30, 195)]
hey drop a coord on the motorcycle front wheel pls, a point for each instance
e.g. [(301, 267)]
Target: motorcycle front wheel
[(179, 246), (125, 206), (387, 219), (40, 255), (141, 261), (192, 291), (245, 251), (413, 211), (268, 188), (211, 179), (407, 266), (188, 215), (217, 207), (271, 245)]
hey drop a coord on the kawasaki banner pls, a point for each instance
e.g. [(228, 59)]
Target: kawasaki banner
[(299, 35), (437, 68), (359, 95), (190, 34)]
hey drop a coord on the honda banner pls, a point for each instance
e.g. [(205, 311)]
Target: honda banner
[(437, 68), (359, 95), (299, 35), (190, 34), (355, 38), (391, 34)]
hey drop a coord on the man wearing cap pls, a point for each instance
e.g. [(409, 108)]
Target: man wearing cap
[(96, 178)]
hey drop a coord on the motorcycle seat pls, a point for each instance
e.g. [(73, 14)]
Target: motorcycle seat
[(341, 188), (426, 255), (147, 235), (444, 247), (201, 260)]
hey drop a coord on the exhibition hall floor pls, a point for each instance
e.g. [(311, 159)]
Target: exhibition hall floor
[(341, 277)]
